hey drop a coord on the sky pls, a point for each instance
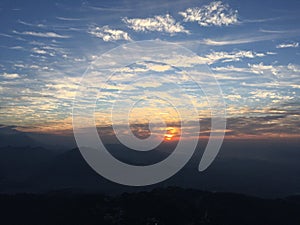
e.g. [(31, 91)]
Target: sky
[(250, 47)]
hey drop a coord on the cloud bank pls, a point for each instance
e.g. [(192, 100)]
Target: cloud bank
[(108, 34), (166, 24), (214, 14), (288, 45)]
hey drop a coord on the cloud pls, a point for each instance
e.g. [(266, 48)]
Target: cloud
[(211, 58), (245, 38), (261, 68), (280, 76), (39, 51), (233, 97), (274, 95), (108, 34), (40, 34), (294, 68), (144, 67), (230, 56), (113, 9), (31, 24), (262, 20), (68, 18), (16, 48), (50, 50), (160, 23), (288, 45), (10, 75), (231, 69), (214, 14), (238, 40)]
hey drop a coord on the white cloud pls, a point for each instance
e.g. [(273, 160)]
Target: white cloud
[(288, 45), (108, 34), (39, 51), (267, 94), (252, 68), (233, 97), (10, 75), (216, 13), (261, 68), (68, 18), (234, 40), (211, 58), (231, 69), (208, 41), (144, 67), (17, 48), (294, 68), (165, 24), (159, 68), (40, 34), (31, 24), (285, 74), (230, 56)]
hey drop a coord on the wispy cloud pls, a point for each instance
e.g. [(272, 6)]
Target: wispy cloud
[(261, 20), (108, 34), (259, 68), (288, 45), (214, 14), (287, 74), (39, 51), (42, 34), (273, 31), (31, 24), (5, 35), (231, 56), (166, 24), (16, 48), (230, 69), (109, 9), (238, 40), (68, 18)]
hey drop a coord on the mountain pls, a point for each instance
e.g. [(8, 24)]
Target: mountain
[(164, 206), (17, 164), (40, 170), (9, 136)]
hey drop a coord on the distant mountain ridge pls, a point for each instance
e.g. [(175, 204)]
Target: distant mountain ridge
[(163, 206), (39, 170)]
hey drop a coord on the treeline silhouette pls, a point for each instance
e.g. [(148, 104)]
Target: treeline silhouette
[(166, 206)]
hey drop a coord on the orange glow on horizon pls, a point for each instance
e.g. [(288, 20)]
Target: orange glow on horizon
[(171, 133)]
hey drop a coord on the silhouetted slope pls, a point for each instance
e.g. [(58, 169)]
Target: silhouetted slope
[(171, 206), (41, 170), (68, 170), (16, 140), (17, 164)]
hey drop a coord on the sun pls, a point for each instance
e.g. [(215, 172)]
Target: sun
[(168, 137), (170, 134)]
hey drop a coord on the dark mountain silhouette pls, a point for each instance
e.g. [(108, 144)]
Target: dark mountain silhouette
[(42, 170), (68, 191), (18, 164), (168, 206), (9, 136)]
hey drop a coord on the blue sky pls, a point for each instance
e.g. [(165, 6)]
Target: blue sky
[(252, 47)]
